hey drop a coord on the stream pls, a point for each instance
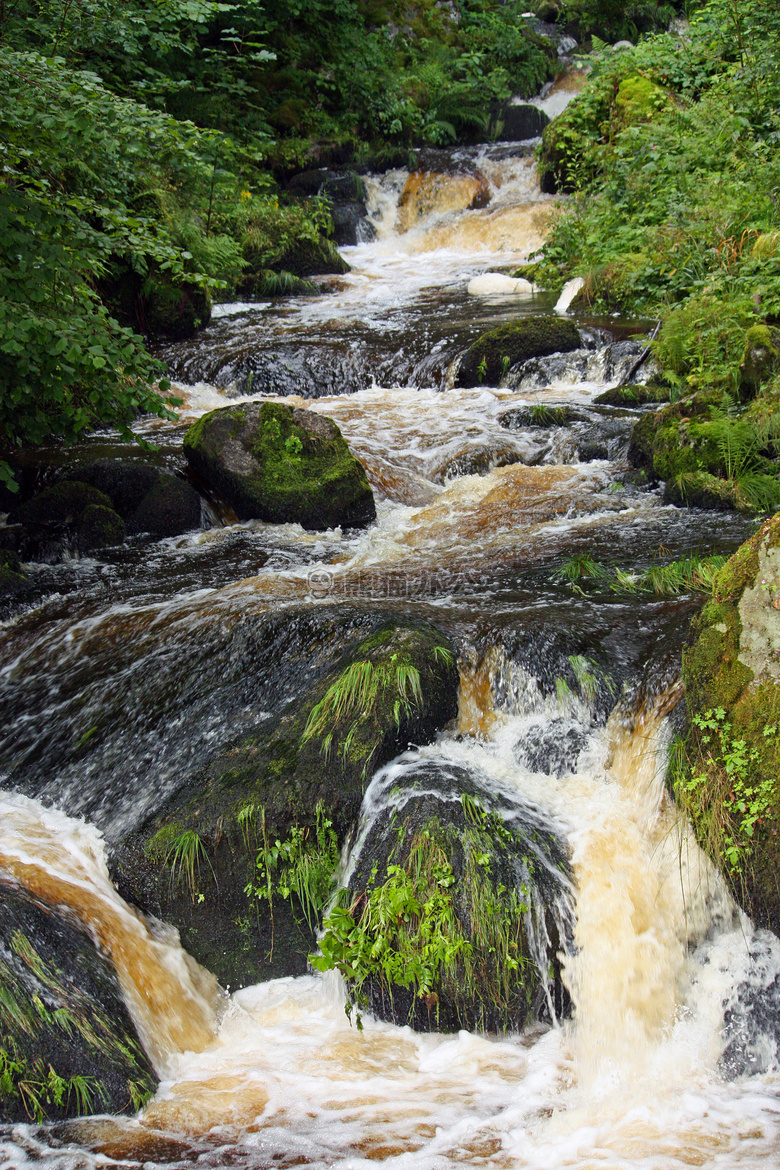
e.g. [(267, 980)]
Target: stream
[(129, 670)]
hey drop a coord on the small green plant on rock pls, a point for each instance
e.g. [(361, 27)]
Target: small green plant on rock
[(718, 788), (303, 864), (184, 857)]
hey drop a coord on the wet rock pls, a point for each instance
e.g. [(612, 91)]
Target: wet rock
[(493, 354), (346, 193), (147, 498), (69, 516), (538, 416), (68, 1043), (751, 1021), (155, 305), (297, 788), (280, 464), (633, 395), (98, 528), (521, 122), (306, 257), (732, 664), (351, 224), (14, 582), (483, 890)]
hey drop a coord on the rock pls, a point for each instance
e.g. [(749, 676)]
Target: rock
[(520, 418), (14, 582), (522, 121), (640, 447), (759, 361), (306, 257), (699, 489), (67, 1043), (351, 225), (59, 505), (147, 498), (732, 665), (494, 353), (170, 508), (280, 464), (633, 395), (300, 783), (99, 527), (491, 284), (484, 904)]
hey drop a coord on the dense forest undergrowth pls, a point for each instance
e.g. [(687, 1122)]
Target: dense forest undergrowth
[(146, 149)]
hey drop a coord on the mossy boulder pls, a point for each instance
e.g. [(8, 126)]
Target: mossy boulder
[(483, 902), (99, 527), (280, 464), (296, 788), (69, 516), (638, 99), (147, 498), (760, 360), (633, 395), (67, 1043), (494, 353), (731, 671)]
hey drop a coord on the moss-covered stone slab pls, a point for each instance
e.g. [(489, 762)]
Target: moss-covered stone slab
[(67, 1043), (494, 353), (460, 902), (277, 463), (295, 789), (633, 395), (731, 671)]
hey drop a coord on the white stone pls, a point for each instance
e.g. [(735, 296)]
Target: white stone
[(491, 284), (570, 290)]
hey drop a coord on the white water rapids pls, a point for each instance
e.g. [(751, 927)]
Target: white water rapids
[(274, 1075)]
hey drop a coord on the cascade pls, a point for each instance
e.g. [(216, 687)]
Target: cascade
[(126, 673)]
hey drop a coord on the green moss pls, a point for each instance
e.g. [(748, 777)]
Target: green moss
[(639, 99), (61, 504), (633, 395), (759, 361), (740, 570), (173, 310), (159, 846), (495, 352)]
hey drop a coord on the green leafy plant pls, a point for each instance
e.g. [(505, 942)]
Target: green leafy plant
[(718, 786), (184, 857)]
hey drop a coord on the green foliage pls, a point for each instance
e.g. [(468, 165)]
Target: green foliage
[(422, 930), (580, 567), (303, 864), (350, 701), (716, 780), (41, 1090), (185, 855)]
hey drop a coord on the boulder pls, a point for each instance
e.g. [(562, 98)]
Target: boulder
[(281, 464), (287, 798), (14, 582), (633, 395), (522, 121), (147, 498), (494, 353), (70, 516), (729, 781), (67, 1043), (460, 902)]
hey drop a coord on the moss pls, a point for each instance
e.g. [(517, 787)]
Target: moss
[(740, 570), (492, 354), (633, 395), (712, 672), (299, 469), (640, 447), (639, 99), (159, 846), (699, 489)]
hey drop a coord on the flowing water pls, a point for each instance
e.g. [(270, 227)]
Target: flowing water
[(128, 672)]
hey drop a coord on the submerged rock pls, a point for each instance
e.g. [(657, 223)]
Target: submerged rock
[(731, 671), (242, 858), (280, 464), (460, 901), (67, 1043), (493, 354)]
